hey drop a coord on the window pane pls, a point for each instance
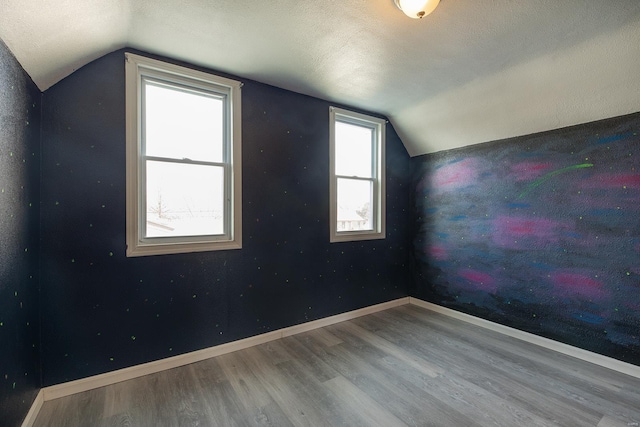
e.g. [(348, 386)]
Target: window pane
[(353, 150), (184, 200), (182, 124), (355, 204)]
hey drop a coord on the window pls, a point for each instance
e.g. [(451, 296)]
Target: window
[(357, 176), (183, 159)]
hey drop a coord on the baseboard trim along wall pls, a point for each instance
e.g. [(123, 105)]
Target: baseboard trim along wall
[(578, 353), (35, 409), (96, 381), (90, 383)]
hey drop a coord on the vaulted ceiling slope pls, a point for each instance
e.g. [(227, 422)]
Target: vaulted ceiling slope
[(473, 71)]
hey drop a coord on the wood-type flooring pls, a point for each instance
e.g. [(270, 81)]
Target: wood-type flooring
[(405, 366)]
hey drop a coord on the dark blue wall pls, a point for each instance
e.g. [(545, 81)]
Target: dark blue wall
[(541, 233), (19, 240), (104, 311)]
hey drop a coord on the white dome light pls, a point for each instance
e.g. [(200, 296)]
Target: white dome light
[(417, 8)]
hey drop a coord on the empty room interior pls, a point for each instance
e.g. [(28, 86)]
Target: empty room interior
[(382, 212)]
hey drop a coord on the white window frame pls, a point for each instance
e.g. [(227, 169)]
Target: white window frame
[(136, 68), (378, 175)]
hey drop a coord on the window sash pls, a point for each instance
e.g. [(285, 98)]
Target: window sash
[(373, 140), (189, 87), (372, 198), (203, 90), (226, 211)]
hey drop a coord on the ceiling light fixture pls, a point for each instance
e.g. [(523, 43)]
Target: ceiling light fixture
[(417, 8)]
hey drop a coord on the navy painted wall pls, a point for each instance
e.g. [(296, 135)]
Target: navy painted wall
[(541, 233), (104, 311), (19, 240)]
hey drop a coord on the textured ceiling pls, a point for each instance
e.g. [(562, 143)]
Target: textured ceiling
[(473, 71)]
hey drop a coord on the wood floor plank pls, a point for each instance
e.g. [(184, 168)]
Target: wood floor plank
[(297, 410), (319, 369), (271, 415), (363, 406), (325, 337), (247, 387), (191, 409), (305, 373), (528, 372), (404, 366), (589, 386), (310, 390), (519, 390), (465, 397), (412, 360), (408, 403), (611, 381), (608, 421)]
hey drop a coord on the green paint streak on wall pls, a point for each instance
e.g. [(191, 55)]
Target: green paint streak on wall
[(548, 176)]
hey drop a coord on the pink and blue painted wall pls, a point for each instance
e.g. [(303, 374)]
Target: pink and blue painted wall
[(541, 233)]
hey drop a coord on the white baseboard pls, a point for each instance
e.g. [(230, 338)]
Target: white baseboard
[(578, 353), (96, 381), (35, 409), (90, 383)]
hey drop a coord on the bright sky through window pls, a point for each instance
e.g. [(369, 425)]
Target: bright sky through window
[(354, 153), (354, 204), (183, 199), (182, 123), (353, 150)]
